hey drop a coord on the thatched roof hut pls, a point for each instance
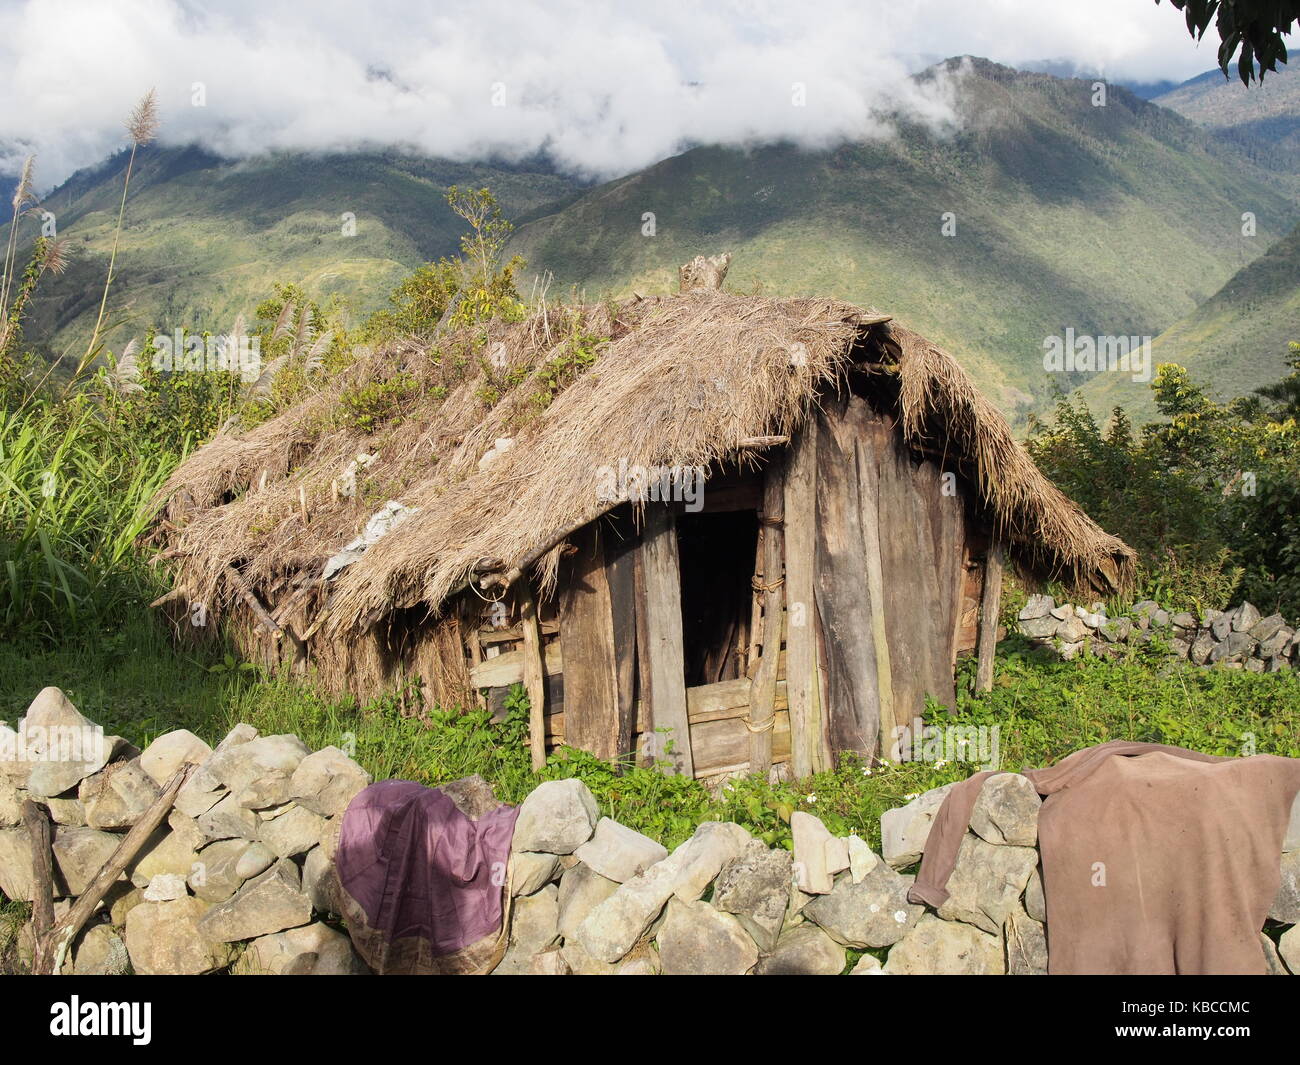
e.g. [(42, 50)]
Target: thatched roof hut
[(535, 513)]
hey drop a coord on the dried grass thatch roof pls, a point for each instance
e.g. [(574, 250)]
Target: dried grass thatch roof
[(676, 381)]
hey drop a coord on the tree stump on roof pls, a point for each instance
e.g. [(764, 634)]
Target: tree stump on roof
[(703, 273)]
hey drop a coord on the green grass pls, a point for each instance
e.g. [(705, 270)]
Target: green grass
[(136, 684)]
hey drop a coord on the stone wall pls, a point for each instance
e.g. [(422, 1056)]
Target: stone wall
[(241, 876), (1237, 638)]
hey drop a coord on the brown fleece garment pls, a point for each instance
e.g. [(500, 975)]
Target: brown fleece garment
[(1156, 859)]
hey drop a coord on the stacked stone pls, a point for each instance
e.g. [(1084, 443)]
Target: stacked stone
[(1238, 638), (240, 874)]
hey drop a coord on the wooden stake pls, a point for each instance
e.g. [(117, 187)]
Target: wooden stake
[(665, 653), (534, 673), (37, 824), (801, 642), (990, 607), (53, 948)]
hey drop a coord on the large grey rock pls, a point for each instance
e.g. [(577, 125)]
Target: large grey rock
[(166, 851), (169, 752), (204, 789), (1071, 630), (1289, 949), (611, 928), (472, 795), (1039, 628), (118, 795), (320, 882), (255, 860), (272, 789), (946, 948), (867, 965), (16, 865), (1026, 945), (755, 887), (214, 875), (165, 887), (1245, 618), (166, 939), (1006, 811), (534, 927), (100, 952), (228, 820), (619, 853), (1202, 648), (904, 830), (62, 746), (1266, 628), (325, 782), (1037, 606), (804, 950), (582, 889), (66, 812), (531, 871), (813, 853), (986, 883), (11, 804), (862, 859), (79, 854), (239, 765), (1236, 647), (312, 950), (872, 913), (558, 817), (697, 940), (268, 903), (294, 832), (1286, 905), (1035, 902)]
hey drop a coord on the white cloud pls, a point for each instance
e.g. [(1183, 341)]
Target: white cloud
[(603, 87)]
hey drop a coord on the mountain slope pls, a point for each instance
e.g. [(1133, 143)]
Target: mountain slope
[(1263, 120), (206, 238), (1111, 220), (1237, 339)]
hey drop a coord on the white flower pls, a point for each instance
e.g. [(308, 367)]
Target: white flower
[(810, 798), (941, 763), (866, 770), (913, 795)]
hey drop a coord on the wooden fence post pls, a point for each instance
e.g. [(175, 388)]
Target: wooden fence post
[(990, 606), (762, 706), (534, 672)]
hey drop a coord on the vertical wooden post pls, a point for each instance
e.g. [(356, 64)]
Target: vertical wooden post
[(762, 701), (801, 643), (661, 573), (990, 605), (534, 672), (869, 490)]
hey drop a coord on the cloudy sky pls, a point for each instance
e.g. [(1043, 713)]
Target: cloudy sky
[(603, 86)]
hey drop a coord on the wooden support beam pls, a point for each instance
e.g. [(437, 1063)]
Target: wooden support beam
[(534, 673), (245, 592), (801, 643), (37, 823), (990, 607), (665, 654), (762, 713)]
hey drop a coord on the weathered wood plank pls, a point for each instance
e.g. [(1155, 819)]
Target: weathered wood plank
[(508, 667), (587, 631), (534, 673), (990, 606), (661, 577), (773, 587), (800, 543), (620, 561)]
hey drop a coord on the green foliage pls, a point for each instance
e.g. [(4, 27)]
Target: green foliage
[(366, 406), (1210, 496), (1255, 27)]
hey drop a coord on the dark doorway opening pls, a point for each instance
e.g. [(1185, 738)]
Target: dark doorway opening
[(716, 554)]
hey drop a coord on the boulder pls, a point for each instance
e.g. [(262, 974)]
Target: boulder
[(558, 817), (904, 830), (16, 865), (1245, 618), (118, 795), (697, 940), (1072, 630), (241, 764), (867, 965), (1036, 606), (1006, 811), (100, 952), (1286, 904), (311, 950), (1040, 628), (1288, 947), (473, 796), (581, 890), (619, 853), (531, 871), (946, 948), (1035, 903), (1202, 647), (320, 882), (1026, 945), (1221, 626), (1184, 621), (228, 820), (804, 951), (255, 860), (862, 859), (268, 903), (11, 804), (550, 962), (534, 927), (755, 887), (165, 887), (203, 789), (166, 851), (214, 876), (325, 782), (275, 789), (79, 854), (294, 832), (66, 812), (986, 883), (611, 928), (166, 939), (1237, 647), (1266, 628), (162, 758), (812, 849), (871, 913)]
